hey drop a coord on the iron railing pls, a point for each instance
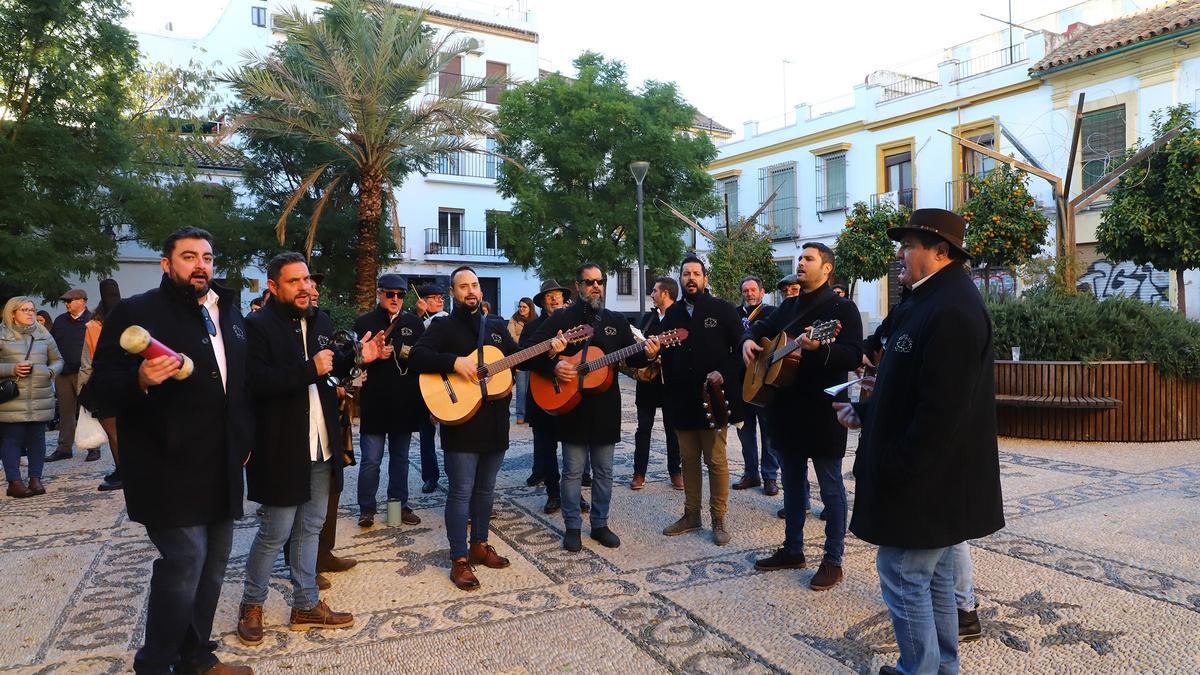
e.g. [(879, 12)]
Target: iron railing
[(959, 191), (459, 242), (782, 222), (991, 61), (445, 81), (472, 164), (906, 198), (833, 202), (907, 86)]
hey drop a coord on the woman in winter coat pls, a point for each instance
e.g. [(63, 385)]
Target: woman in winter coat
[(29, 356), (524, 314)]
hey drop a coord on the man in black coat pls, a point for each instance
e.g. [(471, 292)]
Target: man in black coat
[(391, 408), (927, 469), (755, 472), (710, 353), (68, 331), (805, 426), (551, 298), (473, 450), (296, 460), (649, 395), (592, 428), (183, 443)]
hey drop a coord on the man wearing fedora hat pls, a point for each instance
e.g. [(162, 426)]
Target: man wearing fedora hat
[(551, 297), (68, 331), (927, 469)]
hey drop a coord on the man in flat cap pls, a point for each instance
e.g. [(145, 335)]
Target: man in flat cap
[(68, 331), (927, 469), (431, 304)]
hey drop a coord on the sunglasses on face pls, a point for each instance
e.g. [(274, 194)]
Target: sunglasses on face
[(392, 294), (592, 282)]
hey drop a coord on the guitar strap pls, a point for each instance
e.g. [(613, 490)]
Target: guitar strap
[(479, 351), (587, 343)]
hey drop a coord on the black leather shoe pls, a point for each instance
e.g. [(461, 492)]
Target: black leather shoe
[(746, 483), (780, 560), (969, 628), (606, 537), (586, 481), (534, 480), (92, 455), (429, 486), (552, 505), (572, 541), (58, 455), (110, 485), (782, 513), (770, 487)]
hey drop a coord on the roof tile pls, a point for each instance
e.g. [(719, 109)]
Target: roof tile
[(1126, 30)]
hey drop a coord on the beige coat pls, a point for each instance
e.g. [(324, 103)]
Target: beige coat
[(35, 402)]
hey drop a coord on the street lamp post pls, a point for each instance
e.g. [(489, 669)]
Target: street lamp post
[(639, 169)]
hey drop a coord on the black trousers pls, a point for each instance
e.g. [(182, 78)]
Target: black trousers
[(641, 441), (545, 457)]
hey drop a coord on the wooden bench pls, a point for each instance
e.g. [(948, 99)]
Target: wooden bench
[(1077, 402)]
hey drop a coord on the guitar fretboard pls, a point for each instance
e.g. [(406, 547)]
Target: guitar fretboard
[(609, 359), (522, 356)]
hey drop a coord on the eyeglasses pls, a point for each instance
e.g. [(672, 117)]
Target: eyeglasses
[(390, 295), (208, 322), (592, 282), (26, 309)]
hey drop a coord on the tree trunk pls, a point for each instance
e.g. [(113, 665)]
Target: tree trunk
[(1182, 294), (370, 213)]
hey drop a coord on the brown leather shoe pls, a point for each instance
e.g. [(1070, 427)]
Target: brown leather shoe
[(463, 575), (483, 553), (332, 563), (780, 560), (323, 583), (688, 522), (366, 519), (229, 669), (827, 577), (638, 482), (746, 483), (16, 488), (320, 617), (677, 481), (249, 629), (408, 517), (770, 487), (36, 487)]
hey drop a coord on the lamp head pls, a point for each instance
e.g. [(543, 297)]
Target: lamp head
[(639, 169)]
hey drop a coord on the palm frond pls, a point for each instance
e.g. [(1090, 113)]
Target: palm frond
[(281, 226)]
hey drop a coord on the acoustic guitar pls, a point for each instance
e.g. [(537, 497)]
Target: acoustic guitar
[(595, 374), (453, 399), (775, 366)]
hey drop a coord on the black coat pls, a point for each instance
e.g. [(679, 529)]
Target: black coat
[(927, 469), (804, 422), (534, 415), (650, 394), (184, 442), (279, 375), (714, 338), (597, 418), (391, 396), (448, 338), (760, 316)]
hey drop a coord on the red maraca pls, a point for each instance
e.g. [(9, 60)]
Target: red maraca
[(137, 340)]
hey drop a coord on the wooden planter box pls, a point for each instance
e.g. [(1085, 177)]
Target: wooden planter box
[(1104, 401)]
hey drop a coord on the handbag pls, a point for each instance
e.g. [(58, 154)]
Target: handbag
[(88, 432), (9, 388)]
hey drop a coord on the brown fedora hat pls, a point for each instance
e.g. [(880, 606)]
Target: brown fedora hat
[(948, 225)]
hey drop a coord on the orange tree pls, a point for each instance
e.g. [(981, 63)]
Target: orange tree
[(863, 251), (1004, 226)]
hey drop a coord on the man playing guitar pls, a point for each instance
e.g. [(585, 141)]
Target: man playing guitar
[(593, 427), (710, 353), (803, 423)]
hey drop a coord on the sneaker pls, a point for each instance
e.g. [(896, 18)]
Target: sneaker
[(320, 617), (780, 560), (572, 541), (249, 628), (827, 577), (606, 537), (688, 522), (638, 482), (553, 504), (969, 628)]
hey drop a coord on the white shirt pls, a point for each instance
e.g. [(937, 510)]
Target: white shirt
[(318, 435), (429, 319), (926, 278), (217, 341)]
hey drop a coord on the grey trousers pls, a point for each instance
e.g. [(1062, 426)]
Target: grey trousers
[(68, 406)]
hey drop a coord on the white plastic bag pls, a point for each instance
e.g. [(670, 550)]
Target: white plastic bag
[(88, 432)]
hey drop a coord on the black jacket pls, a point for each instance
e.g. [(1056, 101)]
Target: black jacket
[(804, 422), (650, 394), (534, 415), (714, 338), (448, 338), (279, 375), (927, 469), (184, 442), (391, 396), (597, 418), (68, 335), (760, 316)]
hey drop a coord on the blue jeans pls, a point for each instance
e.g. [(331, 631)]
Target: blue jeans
[(472, 479), (964, 577), (574, 458), (545, 457), (755, 426), (918, 588), (184, 588), (303, 524), (833, 494), (371, 448), (521, 379), (16, 437), (429, 462)]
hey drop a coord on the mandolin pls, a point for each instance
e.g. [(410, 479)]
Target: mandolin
[(453, 399), (775, 366), (595, 374)]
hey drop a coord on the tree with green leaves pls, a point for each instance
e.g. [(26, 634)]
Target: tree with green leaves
[(1154, 210), (1004, 226), (742, 251), (347, 78), (863, 251), (570, 143)]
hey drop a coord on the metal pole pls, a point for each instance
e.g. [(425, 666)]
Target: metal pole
[(641, 256)]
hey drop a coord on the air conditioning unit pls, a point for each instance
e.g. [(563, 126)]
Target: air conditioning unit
[(475, 47)]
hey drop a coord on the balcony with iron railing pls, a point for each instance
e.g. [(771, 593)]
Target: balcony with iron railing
[(959, 191), (447, 81), (906, 197), (991, 61), (907, 86), (468, 164), (832, 202), (453, 243)]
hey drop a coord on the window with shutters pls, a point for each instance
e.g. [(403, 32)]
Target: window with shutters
[(780, 217), (500, 70), (729, 206), (625, 281), (831, 182), (258, 16), (450, 77), (1103, 140)]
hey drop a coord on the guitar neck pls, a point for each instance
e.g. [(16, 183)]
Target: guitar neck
[(515, 358), (609, 359)]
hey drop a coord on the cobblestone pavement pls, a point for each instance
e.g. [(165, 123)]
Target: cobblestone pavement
[(1097, 571)]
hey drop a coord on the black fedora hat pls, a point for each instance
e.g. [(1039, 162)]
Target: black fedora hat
[(948, 225), (547, 286)]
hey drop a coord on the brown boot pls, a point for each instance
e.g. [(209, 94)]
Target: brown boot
[(483, 553), (320, 617), (827, 577), (36, 487), (332, 563), (688, 522), (229, 669), (323, 583), (17, 489), (746, 483), (250, 630), (720, 534), (462, 574)]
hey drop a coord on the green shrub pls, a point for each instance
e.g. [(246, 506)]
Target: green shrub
[(1049, 325)]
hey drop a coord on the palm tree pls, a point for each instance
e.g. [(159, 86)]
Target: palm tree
[(352, 79)]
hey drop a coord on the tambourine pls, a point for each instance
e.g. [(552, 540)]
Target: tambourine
[(137, 340)]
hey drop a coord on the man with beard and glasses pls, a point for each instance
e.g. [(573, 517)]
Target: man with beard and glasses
[(293, 466), (709, 354), (183, 443), (805, 427), (593, 428)]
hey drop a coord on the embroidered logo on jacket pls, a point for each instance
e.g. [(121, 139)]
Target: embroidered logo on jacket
[(904, 344), (496, 338), (406, 331), (239, 333), (323, 340), (710, 322), (610, 330)]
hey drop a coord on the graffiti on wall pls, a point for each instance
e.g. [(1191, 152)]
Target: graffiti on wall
[(1000, 281), (1106, 279)]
